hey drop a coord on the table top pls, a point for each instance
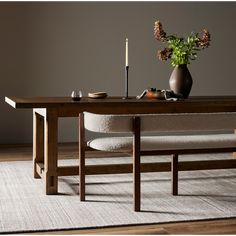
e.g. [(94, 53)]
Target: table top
[(131, 105)]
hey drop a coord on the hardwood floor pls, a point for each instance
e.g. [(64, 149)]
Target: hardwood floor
[(66, 151), (195, 227)]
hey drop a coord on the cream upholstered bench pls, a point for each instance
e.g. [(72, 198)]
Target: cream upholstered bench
[(138, 145)]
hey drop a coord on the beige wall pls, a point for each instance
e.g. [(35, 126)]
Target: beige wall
[(50, 49)]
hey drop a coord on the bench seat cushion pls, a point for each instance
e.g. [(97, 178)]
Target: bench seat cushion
[(124, 144)]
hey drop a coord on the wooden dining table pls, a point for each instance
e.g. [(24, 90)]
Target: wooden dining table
[(47, 111)]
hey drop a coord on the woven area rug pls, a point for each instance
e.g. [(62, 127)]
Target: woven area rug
[(25, 207)]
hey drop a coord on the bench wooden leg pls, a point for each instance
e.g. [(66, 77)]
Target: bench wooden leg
[(136, 164), (81, 157), (174, 173), (234, 153)]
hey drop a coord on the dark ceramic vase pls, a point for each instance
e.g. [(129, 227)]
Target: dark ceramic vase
[(181, 80)]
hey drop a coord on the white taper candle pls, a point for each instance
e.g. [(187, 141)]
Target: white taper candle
[(126, 53)]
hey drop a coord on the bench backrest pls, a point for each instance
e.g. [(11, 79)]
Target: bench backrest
[(161, 122)]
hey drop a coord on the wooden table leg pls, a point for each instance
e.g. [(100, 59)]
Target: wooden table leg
[(50, 151), (38, 141)]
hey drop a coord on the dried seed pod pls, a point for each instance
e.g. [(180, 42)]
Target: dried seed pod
[(159, 33), (204, 42), (164, 54)]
